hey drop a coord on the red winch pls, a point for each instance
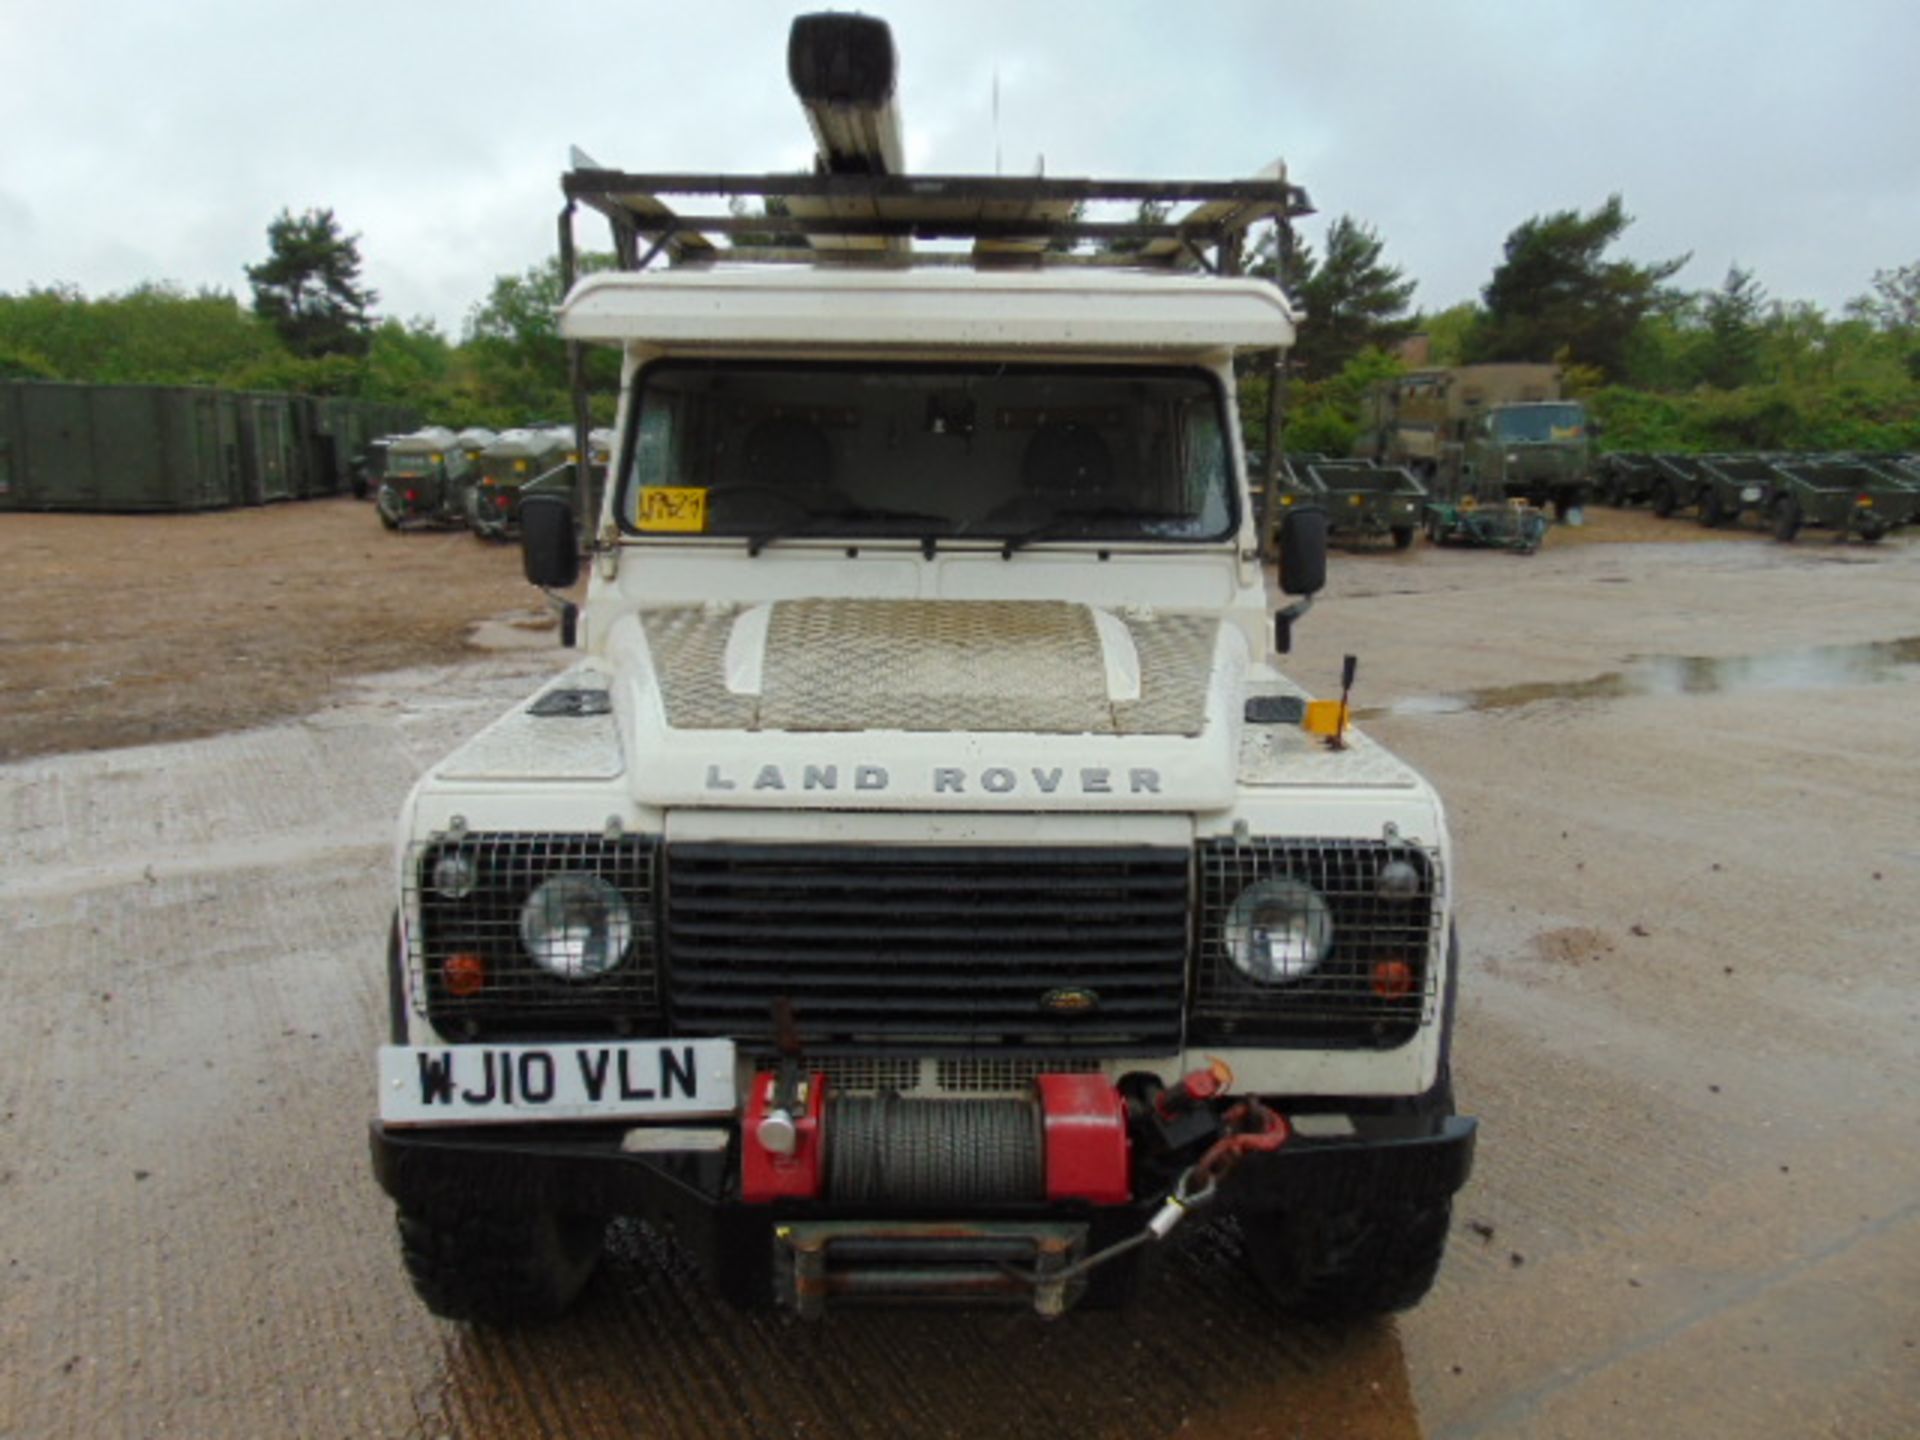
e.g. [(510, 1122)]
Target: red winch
[(1065, 1142)]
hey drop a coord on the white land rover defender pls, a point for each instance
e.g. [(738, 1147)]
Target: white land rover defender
[(923, 884)]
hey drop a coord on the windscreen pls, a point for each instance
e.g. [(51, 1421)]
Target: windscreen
[(1023, 454), (1539, 423)]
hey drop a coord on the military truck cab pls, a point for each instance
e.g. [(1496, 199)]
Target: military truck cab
[(1492, 433)]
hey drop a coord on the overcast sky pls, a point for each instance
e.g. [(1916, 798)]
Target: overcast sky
[(147, 141)]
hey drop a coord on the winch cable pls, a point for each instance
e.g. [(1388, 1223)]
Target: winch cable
[(1252, 1128), (889, 1149)]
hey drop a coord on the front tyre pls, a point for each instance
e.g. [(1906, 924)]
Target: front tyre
[(1402, 536), (1348, 1264), (498, 1268)]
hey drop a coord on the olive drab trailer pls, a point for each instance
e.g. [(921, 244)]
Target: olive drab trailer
[(427, 476), (416, 485), (1490, 432), (515, 460), (1363, 498), (1841, 494)]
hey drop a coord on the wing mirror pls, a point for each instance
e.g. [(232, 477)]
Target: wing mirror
[(549, 545), (1303, 567), (1303, 550), (550, 551)]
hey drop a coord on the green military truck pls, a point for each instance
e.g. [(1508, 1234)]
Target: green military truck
[(1492, 432)]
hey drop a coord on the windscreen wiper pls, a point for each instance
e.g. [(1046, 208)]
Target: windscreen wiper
[(821, 520), (1062, 522)]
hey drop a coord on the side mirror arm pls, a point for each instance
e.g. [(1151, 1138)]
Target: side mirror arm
[(569, 614), (1283, 624)]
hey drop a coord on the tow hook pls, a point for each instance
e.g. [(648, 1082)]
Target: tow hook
[(1250, 1127)]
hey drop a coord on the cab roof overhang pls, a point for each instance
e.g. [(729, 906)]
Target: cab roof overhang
[(840, 308)]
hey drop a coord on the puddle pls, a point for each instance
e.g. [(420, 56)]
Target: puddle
[(1822, 667)]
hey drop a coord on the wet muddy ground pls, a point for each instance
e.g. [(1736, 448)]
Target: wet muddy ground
[(1690, 912)]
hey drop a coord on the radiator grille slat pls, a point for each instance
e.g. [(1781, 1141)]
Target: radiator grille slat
[(944, 949)]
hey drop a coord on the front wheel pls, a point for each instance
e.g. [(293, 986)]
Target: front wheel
[(1402, 536), (1664, 500), (1713, 513), (1348, 1264), (500, 1269)]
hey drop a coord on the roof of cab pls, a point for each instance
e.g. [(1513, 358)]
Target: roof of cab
[(849, 307)]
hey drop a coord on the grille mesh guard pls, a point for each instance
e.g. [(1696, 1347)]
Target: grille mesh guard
[(518, 996), (1337, 1006), (936, 950)]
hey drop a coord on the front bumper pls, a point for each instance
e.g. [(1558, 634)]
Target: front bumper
[(1330, 1164)]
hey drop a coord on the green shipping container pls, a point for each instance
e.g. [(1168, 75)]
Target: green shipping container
[(266, 447), (115, 447), (13, 485)]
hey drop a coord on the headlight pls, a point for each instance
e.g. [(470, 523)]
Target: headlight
[(1279, 931), (455, 874), (576, 927)]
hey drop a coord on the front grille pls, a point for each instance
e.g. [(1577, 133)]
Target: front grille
[(994, 1072), (955, 1075), (932, 951), (1342, 1004), (517, 996)]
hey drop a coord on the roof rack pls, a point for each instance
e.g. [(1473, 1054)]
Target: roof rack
[(1018, 220)]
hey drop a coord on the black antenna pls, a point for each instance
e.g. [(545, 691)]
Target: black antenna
[(1349, 667)]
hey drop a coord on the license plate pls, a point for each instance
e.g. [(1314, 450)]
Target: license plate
[(504, 1084)]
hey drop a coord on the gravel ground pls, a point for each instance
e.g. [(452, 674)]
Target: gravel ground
[(1683, 778)]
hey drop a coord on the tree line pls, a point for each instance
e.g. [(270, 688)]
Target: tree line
[(1662, 367)]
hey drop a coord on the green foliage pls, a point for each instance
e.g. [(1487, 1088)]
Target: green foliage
[(1447, 331), (1323, 416), (1556, 295), (308, 288), (155, 333), (1778, 416), (1894, 301), (302, 375), (1353, 299), (1635, 420), (18, 362), (514, 358), (1728, 354)]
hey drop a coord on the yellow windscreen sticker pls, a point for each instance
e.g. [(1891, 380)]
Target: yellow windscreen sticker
[(673, 508)]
